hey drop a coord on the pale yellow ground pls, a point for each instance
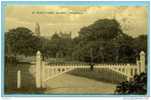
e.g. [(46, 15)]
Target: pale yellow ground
[(67, 83)]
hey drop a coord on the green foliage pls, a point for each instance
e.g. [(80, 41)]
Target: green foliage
[(136, 86), (103, 29), (21, 41), (109, 43), (140, 43), (101, 42), (60, 46)]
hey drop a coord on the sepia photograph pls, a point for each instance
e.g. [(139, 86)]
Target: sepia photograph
[(75, 48)]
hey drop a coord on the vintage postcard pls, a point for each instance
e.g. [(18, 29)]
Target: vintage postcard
[(75, 48)]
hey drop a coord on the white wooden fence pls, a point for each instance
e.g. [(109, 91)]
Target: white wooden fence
[(45, 72)]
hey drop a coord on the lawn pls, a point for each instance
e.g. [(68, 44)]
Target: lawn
[(102, 74)]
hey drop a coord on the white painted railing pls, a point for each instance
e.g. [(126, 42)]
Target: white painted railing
[(44, 72)]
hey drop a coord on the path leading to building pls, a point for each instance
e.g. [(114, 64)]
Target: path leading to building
[(67, 83)]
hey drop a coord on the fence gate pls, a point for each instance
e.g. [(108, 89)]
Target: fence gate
[(45, 72)]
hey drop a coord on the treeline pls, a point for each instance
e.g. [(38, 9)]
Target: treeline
[(101, 42)]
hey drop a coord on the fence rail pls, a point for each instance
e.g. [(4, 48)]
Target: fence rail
[(46, 71)]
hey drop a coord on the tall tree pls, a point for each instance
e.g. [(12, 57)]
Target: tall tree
[(101, 36), (21, 41)]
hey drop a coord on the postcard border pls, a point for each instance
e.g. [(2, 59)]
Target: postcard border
[(73, 3)]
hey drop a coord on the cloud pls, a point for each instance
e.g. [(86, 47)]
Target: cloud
[(133, 20)]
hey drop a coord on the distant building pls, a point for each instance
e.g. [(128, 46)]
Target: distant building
[(37, 29)]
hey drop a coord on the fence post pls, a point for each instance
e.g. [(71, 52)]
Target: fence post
[(18, 79), (138, 66), (38, 70), (43, 74), (128, 71), (142, 61)]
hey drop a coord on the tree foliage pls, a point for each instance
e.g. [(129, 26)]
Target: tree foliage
[(103, 29), (101, 42), (136, 86), (21, 41), (109, 43)]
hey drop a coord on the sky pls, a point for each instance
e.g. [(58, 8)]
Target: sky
[(133, 19)]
